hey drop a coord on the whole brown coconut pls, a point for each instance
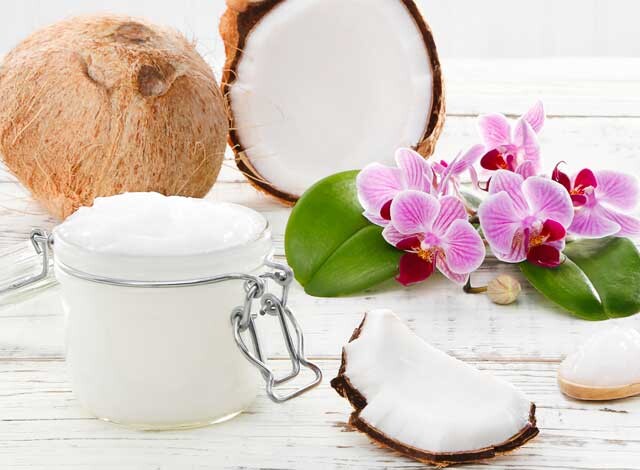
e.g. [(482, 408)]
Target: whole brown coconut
[(100, 105)]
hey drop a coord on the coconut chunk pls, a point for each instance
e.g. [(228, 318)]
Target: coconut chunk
[(605, 367), (316, 87), (419, 401)]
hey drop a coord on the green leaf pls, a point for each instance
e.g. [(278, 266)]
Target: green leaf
[(331, 247), (600, 279)]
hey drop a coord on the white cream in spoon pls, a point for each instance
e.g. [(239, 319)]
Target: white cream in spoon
[(605, 367)]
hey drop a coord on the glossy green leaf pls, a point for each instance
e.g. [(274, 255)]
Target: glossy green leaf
[(600, 279), (332, 249)]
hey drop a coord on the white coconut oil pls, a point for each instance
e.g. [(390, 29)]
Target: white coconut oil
[(610, 358), (158, 358)]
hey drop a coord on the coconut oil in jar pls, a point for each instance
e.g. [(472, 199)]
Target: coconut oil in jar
[(158, 358)]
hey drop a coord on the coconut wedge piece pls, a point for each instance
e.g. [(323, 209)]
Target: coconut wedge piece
[(605, 367), (417, 400), (315, 87)]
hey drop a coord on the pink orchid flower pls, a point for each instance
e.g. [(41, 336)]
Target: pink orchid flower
[(449, 173), (435, 233), (378, 184), (602, 201), (515, 149), (526, 219)]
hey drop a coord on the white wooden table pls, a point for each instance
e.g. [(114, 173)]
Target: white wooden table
[(594, 109)]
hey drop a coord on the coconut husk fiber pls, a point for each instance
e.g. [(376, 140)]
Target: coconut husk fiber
[(100, 105)]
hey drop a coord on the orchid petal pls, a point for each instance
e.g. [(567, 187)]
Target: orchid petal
[(500, 222), (416, 172), (464, 249), (451, 209), (560, 177), (438, 168), (548, 200), (511, 183), (493, 160), (578, 200), (629, 225), (473, 174), (467, 159), (519, 248), (553, 231), (414, 212), (494, 130), (593, 222), (527, 169), (393, 237), (385, 210), (618, 189), (518, 251), (376, 219), (458, 278), (558, 244), (585, 178), (409, 244), (377, 184), (525, 138), (413, 269), (546, 256), (535, 116)]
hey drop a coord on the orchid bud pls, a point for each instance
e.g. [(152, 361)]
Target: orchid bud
[(503, 290)]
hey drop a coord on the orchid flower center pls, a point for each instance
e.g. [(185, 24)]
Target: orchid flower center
[(538, 240), (498, 159), (583, 187), (425, 246), (581, 190), (426, 255), (539, 249)]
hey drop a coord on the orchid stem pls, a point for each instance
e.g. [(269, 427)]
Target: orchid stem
[(469, 289)]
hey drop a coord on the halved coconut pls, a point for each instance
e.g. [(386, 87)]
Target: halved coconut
[(419, 401), (316, 87), (605, 367)]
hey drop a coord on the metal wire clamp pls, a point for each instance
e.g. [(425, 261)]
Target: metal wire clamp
[(242, 318), (40, 241)]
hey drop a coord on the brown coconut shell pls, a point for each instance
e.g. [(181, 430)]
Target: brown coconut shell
[(358, 401), (236, 25), (100, 105)]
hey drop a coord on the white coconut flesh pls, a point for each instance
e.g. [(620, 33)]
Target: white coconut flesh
[(324, 86), (425, 399), (606, 366)]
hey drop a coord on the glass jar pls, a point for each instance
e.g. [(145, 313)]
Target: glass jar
[(155, 338)]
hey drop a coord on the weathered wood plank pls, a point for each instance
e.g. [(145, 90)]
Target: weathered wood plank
[(43, 426)]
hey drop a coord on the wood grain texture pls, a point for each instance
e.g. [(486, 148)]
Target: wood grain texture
[(42, 426), (42, 423)]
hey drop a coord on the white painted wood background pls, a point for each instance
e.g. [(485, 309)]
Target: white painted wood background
[(594, 106), (463, 28)]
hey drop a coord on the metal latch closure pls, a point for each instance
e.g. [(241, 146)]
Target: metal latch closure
[(272, 305), (40, 241), (242, 317)]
